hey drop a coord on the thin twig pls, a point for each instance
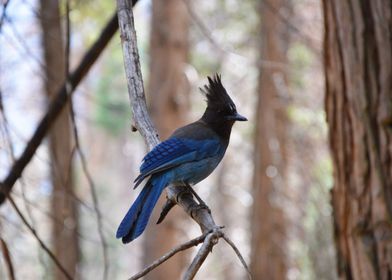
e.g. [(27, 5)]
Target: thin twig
[(6, 130), (5, 220), (168, 255), (305, 38), (42, 244), (96, 208), (67, 51), (92, 191), (7, 259), (224, 49), (4, 13), (22, 42), (8, 140), (209, 242), (199, 259), (38, 207), (79, 150), (238, 253), (11, 151)]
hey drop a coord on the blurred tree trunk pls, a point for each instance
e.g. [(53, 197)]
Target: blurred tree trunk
[(168, 92), (269, 223), (64, 208), (358, 68)]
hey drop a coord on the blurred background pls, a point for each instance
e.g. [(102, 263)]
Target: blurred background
[(271, 191)]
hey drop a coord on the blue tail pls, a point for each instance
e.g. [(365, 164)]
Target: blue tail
[(136, 219)]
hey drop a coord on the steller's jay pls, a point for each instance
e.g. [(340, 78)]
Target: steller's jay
[(188, 156)]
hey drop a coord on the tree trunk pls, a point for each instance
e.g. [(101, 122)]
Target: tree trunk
[(268, 258), (168, 92), (64, 208), (358, 68)]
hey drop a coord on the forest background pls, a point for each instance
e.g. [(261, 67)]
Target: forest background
[(287, 66)]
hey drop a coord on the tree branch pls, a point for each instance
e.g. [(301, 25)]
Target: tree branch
[(57, 105), (79, 150), (40, 241), (133, 73), (238, 253), (7, 259), (180, 195), (194, 242), (211, 239)]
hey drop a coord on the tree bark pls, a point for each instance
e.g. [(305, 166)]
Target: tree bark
[(268, 258), (168, 90), (358, 68), (64, 208)]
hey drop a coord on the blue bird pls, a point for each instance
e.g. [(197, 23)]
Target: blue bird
[(188, 156)]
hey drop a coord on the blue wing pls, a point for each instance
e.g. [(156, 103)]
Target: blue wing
[(173, 152)]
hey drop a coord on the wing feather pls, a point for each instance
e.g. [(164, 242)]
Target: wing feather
[(173, 152)]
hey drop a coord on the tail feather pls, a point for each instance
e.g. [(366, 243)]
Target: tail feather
[(136, 219)]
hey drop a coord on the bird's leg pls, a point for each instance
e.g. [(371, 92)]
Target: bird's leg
[(202, 204), (170, 204)]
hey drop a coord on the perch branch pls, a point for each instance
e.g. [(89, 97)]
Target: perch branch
[(180, 195), (238, 253)]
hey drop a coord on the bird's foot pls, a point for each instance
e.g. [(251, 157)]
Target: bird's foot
[(202, 204)]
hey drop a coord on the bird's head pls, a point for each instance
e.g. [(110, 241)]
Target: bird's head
[(221, 110)]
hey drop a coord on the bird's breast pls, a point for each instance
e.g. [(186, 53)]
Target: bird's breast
[(194, 172)]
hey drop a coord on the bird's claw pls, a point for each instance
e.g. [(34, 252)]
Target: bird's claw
[(198, 198)]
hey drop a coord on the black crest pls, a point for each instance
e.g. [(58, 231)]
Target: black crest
[(217, 97)]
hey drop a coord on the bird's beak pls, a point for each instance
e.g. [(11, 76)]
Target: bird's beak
[(237, 117)]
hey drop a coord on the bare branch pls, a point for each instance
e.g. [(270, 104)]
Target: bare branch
[(133, 73), (11, 151), (80, 152), (211, 239), (309, 42), (168, 255), (223, 49), (4, 13), (238, 253), (41, 243), (7, 259)]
